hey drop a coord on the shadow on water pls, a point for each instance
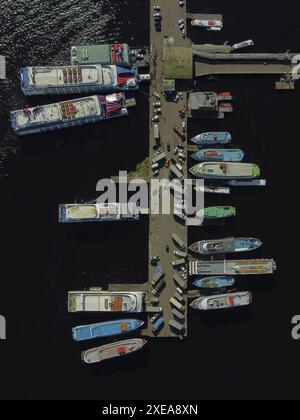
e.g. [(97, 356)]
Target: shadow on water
[(221, 318)]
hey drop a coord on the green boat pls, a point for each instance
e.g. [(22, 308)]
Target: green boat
[(218, 212)]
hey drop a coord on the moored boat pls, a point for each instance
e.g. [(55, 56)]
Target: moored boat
[(225, 246), (213, 189), (247, 183), (212, 138), (225, 170), (59, 80), (98, 212), (217, 212), (220, 302), (232, 267), (113, 350), (104, 301), (215, 282), (106, 329), (70, 113), (219, 155), (214, 25)]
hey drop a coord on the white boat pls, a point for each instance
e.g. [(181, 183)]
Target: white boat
[(247, 183), (113, 350), (99, 212), (208, 24), (220, 302), (225, 170), (103, 301), (210, 189)]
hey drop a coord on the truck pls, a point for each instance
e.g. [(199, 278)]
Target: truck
[(178, 315), (175, 172), (178, 263), (179, 328), (174, 302), (159, 158), (181, 254), (158, 325), (178, 241), (156, 132), (158, 288), (157, 276), (179, 281)]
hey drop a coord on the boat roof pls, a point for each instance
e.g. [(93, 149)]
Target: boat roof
[(97, 53), (43, 114), (58, 75), (228, 169)]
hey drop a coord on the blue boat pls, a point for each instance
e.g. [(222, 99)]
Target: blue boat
[(219, 155), (106, 329), (212, 138), (225, 246), (214, 282)]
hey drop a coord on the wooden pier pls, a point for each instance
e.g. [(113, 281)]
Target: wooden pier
[(161, 227)]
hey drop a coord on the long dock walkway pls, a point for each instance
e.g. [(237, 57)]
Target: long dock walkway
[(163, 226), (207, 69)]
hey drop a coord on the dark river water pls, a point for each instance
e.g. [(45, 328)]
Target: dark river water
[(233, 355)]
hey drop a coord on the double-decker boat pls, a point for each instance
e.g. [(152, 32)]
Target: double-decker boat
[(70, 113), (60, 80)]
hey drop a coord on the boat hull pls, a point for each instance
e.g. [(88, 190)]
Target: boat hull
[(223, 302), (113, 351), (219, 155), (106, 329), (226, 246), (217, 212), (225, 170), (211, 189), (210, 138), (214, 282)]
